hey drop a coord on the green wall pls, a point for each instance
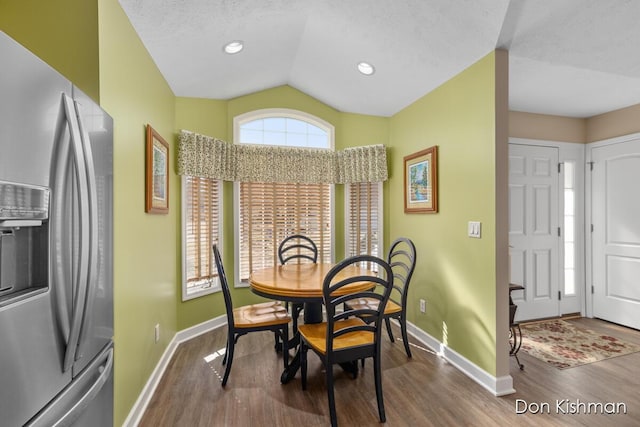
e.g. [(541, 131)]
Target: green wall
[(146, 270), (281, 97), (455, 274), (357, 130), (207, 117), (63, 33)]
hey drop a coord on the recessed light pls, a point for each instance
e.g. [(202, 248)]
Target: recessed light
[(366, 68), (233, 47)]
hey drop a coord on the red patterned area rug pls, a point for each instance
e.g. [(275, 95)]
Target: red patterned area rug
[(564, 345)]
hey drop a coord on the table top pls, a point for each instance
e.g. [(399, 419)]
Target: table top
[(302, 282)]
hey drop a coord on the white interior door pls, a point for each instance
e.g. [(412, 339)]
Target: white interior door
[(533, 229), (615, 238)]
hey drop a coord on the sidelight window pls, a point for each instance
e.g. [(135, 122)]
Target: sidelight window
[(569, 229)]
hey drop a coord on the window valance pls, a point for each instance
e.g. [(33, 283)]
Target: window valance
[(208, 157)]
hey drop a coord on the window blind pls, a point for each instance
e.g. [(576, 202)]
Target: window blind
[(363, 219), (269, 212), (202, 221)]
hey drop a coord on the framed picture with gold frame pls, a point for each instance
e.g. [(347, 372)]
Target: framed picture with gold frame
[(156, 173), (421, 181)]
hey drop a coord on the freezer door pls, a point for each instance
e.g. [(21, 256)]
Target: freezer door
[(87, 401)]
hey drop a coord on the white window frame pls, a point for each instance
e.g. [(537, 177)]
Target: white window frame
[(203, 288), (566, 169), (279, 113), (267, 113), (347, 223)]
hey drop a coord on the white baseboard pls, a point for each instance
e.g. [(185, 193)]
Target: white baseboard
[(499, 386), (136, 413)]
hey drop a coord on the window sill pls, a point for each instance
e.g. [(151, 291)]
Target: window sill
[(197, 292)]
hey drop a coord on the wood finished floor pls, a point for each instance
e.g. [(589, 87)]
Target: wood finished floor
[(422, 391)]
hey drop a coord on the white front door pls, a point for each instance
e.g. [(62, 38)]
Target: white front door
[(615, 210), (534, 230)]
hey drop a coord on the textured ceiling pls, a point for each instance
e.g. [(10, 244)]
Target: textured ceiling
[(573, 58)]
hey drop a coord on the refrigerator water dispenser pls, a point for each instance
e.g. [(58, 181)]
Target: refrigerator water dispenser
[(24, 234)]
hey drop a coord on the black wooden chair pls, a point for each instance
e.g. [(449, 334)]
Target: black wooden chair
[(345, 337), (297, 248), (267, 316), (402, 259)]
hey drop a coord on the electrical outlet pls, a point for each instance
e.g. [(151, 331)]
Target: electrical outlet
[(423, 306), (156, 332)]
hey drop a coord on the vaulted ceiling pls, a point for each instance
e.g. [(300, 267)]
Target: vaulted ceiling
[(575, 58)]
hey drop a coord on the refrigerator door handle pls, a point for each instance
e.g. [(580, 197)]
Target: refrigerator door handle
[(92, 230), (81, 272), (44, 419), (60, 274)]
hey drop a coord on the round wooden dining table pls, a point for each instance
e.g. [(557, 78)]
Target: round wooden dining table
[(302, 284)]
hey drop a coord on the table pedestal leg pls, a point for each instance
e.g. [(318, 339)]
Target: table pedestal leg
[(312, 314)]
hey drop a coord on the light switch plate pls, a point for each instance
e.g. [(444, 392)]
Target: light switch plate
[(474, 229)]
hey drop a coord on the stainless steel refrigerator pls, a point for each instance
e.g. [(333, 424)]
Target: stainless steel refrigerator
[(56, 248)]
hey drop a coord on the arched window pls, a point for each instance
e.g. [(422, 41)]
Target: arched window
[(266, 213), (284, 128)]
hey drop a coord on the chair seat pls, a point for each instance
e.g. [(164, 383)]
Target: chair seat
[(315, 334), (262, 314), (372, 303)]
